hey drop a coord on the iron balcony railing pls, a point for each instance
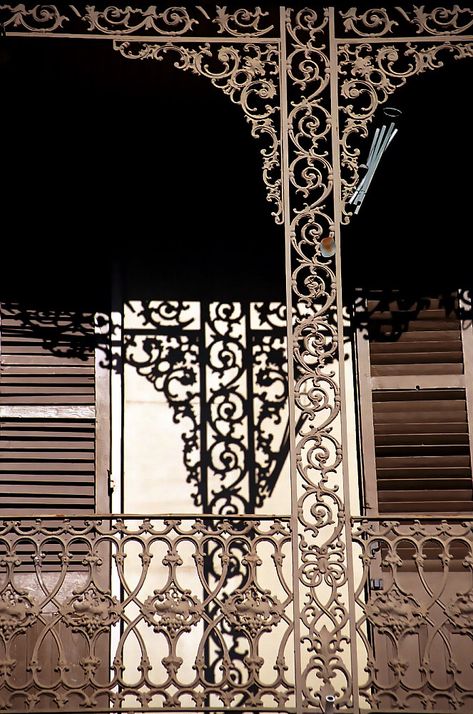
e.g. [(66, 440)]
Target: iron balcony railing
[(161, 613), (414, 613), (197, 614)]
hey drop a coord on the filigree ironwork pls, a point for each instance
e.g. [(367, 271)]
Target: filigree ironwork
[(130, 20), (249, 77), (439, 21), (318, 454), (410, 562), (369, 75), (366, 24), (91, 612), (172, 611), (17, 612), (252, 611), (418, 618), (242, 22), (39, 18), (460, 612), (173, 21), (394, 611), (162, 629), (406, 21)]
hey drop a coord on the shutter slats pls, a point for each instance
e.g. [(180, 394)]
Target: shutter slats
[(85, 371), (419, 438), (48, 455), (47, 465), (429, 495), (415, 461), (435, 346), (49, 478), (420, 369), (416, 429), (51, 399), (394, 484), (421, 442), (412, 357), (43, 490), (391, 334), (433, 507), (32, 442), (38, 360), (416, 418)]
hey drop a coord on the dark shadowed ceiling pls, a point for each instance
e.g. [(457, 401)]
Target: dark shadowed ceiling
[(111, 159), (415, 223), (106, 159)]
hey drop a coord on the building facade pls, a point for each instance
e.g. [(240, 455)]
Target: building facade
[(236, 359)]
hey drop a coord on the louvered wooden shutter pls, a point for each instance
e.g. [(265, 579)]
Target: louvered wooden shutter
[(49, 394), (415, 378)]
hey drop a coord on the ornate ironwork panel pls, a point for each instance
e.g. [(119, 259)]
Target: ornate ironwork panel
[(414, 603), (322, 572), (56, 602)]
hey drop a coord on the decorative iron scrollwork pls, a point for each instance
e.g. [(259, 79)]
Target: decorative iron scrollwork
[(173, 611), (460, 612), (439, 21), (40, 18), (382, 21), (322, 570), (252, 611), (394, 611), (17, 613), (129, 20), (369, 75), (242, 22), (163, 629), (249, 76), (91, 611), (366, 24), (415, 620)]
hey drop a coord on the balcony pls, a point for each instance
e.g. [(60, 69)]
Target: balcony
[(178, 613), (414, 613), (197, 614)]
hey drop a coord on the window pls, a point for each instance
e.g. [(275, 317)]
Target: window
[(414, 361)]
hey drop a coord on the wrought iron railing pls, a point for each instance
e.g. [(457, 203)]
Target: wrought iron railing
[(145, 612), (414, 613), (196, 614)]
